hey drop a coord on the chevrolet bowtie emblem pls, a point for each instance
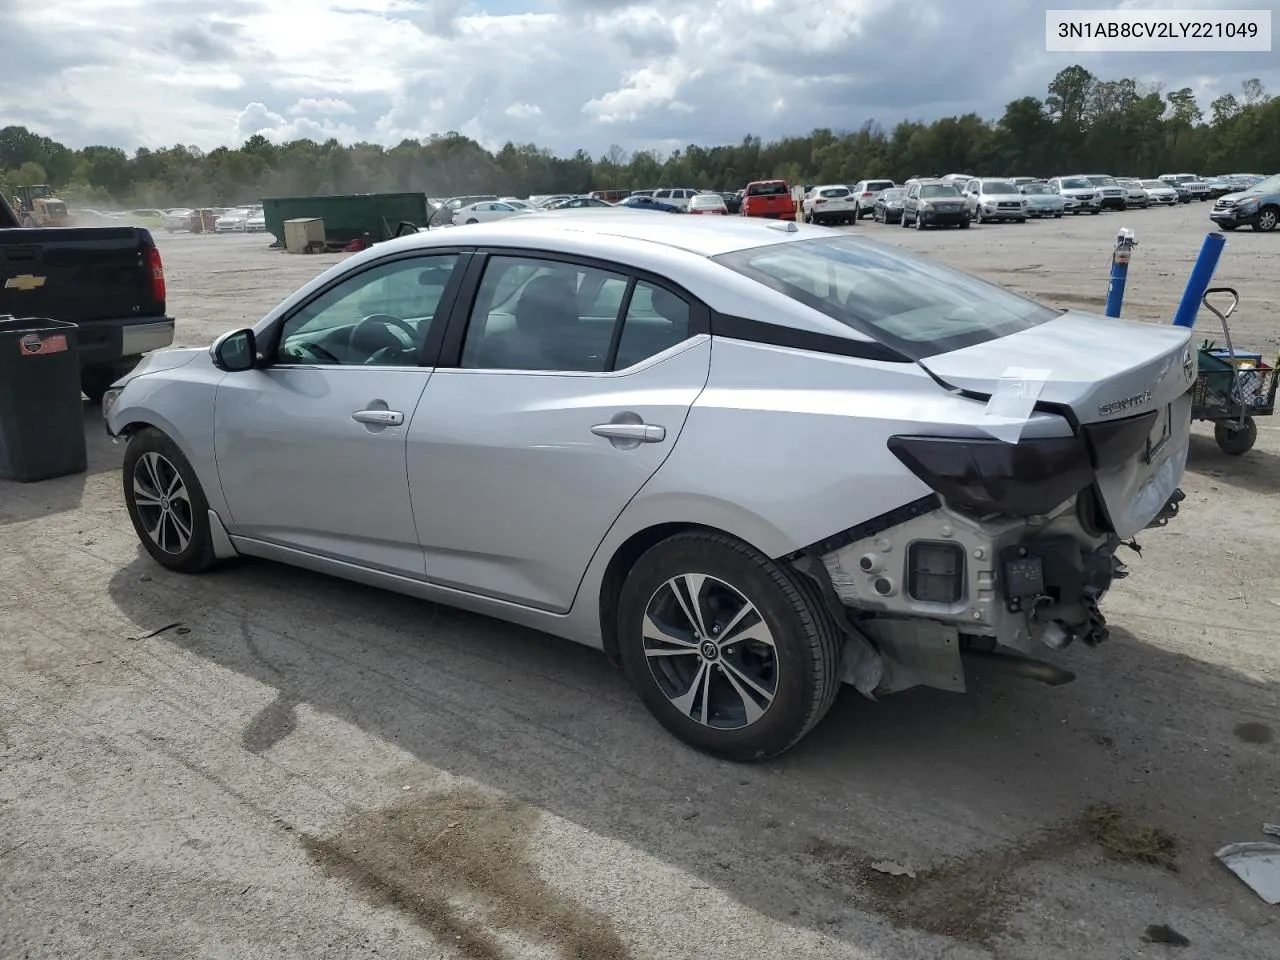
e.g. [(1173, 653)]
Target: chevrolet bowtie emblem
[(24, 282)]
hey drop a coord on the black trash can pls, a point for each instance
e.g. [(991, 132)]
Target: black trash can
[(41, 413)]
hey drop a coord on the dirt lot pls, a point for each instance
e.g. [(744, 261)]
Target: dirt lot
[(265, 762)]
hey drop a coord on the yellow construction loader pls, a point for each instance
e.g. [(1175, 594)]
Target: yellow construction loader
[(36, 206)]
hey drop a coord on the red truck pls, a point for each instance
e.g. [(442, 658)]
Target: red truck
[(770, 199)]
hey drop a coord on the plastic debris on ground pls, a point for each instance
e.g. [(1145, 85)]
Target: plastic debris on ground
[(1257, 863)]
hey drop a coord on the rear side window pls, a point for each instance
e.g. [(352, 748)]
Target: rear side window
[(656, 319), (916, 306)]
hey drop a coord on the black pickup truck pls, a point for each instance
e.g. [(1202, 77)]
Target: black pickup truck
[(107, 280)]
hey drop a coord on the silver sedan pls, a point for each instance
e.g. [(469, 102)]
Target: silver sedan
[(750, 460)]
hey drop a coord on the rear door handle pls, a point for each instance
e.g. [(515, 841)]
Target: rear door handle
[(382, 418), (639, 432)]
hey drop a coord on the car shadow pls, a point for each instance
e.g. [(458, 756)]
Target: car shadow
[(41, 498), (921, 777), (1257, 471)]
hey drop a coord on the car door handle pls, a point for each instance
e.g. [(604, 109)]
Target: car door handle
[(383, 418), (639, 432)]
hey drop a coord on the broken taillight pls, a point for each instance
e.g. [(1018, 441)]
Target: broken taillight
[(987, 476)]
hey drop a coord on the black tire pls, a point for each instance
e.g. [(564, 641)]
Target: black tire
[(806, 641), (1234, 440), (919, 222), (1095, 211), (1266, 220), (963, 224), (1057, 216), (197, 554), (1228, 226)]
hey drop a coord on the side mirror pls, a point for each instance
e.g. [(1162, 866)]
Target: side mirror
[(235, 351)]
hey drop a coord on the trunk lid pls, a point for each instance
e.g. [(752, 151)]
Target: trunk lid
[(1102, 370)]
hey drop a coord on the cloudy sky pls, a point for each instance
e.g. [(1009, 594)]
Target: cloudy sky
[(561, 73)]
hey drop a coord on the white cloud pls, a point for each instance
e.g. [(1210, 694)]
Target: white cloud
[(561, 73), (323, 105), (523, 111)]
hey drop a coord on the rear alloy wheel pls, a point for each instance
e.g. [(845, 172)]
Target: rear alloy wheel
[(732, 653), (1266, 221), (166, 503)]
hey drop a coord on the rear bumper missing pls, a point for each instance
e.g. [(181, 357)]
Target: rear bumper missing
[(937, 585)]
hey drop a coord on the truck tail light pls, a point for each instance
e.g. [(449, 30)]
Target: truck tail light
[(155, 266), (991, 476)]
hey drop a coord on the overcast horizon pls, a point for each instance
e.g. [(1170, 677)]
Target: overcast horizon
[(564, 74)]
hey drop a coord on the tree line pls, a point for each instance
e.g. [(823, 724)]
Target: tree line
[(1082, 124)]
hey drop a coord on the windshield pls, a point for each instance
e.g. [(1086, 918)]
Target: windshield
[(894, 193), (1036, 189), (1154, 185), (1103, 181), (914, 305), (998, 186), (1076, 184), (939, 190)]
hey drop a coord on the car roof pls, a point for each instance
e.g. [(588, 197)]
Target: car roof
[(582, 232)]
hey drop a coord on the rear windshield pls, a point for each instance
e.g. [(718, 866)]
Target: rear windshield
[(916, 306), (879, 184), (834, 192), (772, 189), (939, 190)]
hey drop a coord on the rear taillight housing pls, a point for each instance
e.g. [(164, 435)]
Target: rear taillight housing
[(155, 268), (987, 476), (866, 193)]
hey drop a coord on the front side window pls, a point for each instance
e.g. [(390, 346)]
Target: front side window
[(916, 306), (379, 316)]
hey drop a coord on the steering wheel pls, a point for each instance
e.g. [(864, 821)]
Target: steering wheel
[(380, 322)]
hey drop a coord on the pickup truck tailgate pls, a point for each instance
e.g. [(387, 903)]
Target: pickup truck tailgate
[(77, 274)]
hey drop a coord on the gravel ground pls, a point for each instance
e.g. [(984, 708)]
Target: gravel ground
[(266, 762)]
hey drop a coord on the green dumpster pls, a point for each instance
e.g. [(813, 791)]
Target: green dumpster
[(348, 216)]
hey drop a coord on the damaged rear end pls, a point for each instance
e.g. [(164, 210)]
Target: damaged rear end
[(1067, 436), (1017, 545)]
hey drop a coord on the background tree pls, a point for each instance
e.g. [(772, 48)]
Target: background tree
[(1082, 124)]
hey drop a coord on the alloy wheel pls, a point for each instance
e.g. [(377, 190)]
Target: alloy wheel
[(1267, 221), (710, 651), (162, 502)]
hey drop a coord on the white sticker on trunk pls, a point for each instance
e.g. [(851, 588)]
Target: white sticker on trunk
[(1013, 401)]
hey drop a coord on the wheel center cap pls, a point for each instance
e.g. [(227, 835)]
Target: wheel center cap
[(709, 650), (164, 503)]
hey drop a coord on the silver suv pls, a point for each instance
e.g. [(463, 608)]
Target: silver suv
[(987, 200), (865, 195), (1078, 194)]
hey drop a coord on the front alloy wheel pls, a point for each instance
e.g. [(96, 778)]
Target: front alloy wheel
[(166, 503)]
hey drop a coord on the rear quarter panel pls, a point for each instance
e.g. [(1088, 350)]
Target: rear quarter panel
[(785, 447)]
